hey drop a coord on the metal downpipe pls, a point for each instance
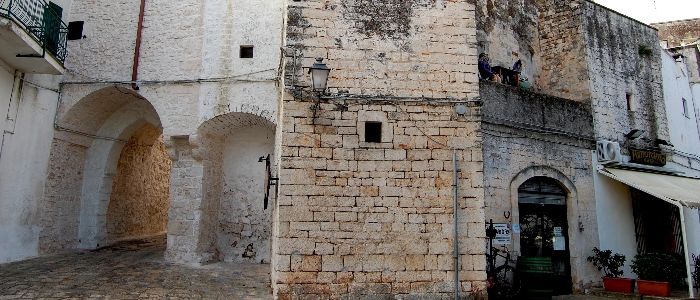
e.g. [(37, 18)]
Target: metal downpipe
[(137, 49), (691, 292), (456, 211)]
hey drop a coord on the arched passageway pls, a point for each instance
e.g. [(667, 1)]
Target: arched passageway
[(93, 132)]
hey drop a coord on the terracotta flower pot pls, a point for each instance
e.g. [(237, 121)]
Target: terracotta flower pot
[(655, 288), (621, 285)]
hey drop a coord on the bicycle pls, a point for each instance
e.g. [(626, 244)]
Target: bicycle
[(502, 281)]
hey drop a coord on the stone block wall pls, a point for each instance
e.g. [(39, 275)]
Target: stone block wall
[(245, 226), (190, 72), (563, 50), (363, 219), (376, 219), (107, 52), (401, 48), (60, 207), (189, 213), (618, 70), (139, 201), (678, 33)]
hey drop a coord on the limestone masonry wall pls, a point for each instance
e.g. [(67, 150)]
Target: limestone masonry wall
[(372, 219), (618, 70), (363, 219), (245, 228), (60, 208), (509, 31), (678, 33), (139, 200), (402, 48), (563, 50)]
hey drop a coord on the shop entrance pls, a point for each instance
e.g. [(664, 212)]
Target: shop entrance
[(544, 228)]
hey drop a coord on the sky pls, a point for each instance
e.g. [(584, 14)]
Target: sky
[(655, 11)]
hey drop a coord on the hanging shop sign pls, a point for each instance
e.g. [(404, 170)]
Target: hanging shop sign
[(502, 233), (646, 157)]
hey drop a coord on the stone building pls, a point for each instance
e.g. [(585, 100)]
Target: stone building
[(681, 77), (678, 33), (604, 71), (161, 114), (164, 110)]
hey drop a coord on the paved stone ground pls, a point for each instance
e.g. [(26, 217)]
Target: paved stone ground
[(130, 270), (579, 297)]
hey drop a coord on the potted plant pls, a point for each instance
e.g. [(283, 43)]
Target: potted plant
[(610, 264), (657, 271)]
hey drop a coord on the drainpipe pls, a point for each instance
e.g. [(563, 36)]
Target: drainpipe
[(456, 208), (137, 49), (691, 292), (15, 97)]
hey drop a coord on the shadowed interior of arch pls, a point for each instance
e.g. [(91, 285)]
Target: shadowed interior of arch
[(139, 203)]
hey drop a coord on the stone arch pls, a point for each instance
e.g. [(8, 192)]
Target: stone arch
[(225, 150), (572, 207), (98, 125)]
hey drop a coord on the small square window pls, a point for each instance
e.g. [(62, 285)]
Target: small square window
[(246, 51), (373, 132)]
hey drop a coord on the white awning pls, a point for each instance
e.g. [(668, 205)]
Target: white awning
[(673, 189)]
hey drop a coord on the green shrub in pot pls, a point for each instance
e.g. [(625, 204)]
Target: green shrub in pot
[(607, 262), (660, 267)]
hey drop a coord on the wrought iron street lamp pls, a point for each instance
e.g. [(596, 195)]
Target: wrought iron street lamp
[(319, 75)]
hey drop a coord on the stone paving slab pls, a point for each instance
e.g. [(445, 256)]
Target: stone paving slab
[(130, 270)]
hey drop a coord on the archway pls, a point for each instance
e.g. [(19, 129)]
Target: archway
[(575, 241), (83, 164), (544, 227), (244, 227)]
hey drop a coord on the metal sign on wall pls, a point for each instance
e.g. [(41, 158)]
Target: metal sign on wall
[(646, 157), (502, 233)]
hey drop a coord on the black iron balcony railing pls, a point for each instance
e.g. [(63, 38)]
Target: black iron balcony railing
[(42, 21)]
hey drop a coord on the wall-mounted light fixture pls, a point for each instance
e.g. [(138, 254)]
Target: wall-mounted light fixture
[(319, 81), (634, 133), (659, 142), (319, 75)]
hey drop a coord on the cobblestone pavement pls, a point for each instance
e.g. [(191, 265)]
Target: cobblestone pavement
[(130, 270)]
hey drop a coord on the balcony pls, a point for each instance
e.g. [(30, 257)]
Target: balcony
[(32, 36)]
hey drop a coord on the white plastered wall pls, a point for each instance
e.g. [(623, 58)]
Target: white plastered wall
[(682, 127), (242, 201), (27, 133), (615, 217)]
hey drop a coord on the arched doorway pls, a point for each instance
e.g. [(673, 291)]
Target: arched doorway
[(544, 227)]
